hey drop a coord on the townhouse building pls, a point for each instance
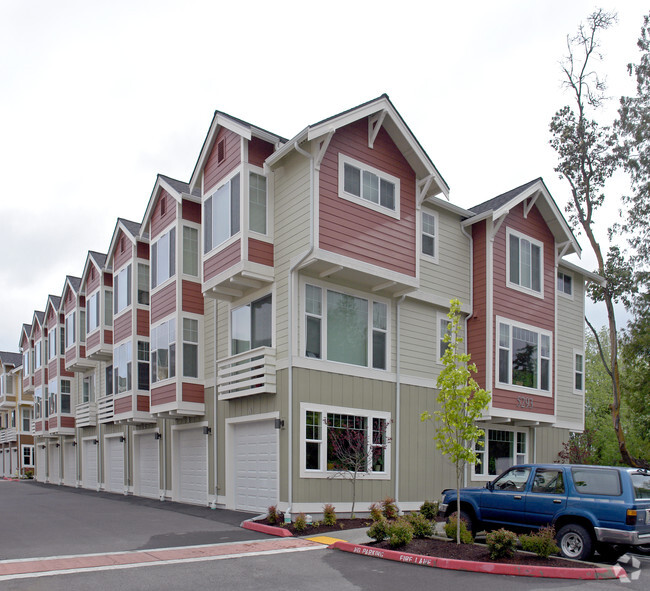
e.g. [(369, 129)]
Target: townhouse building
[(293, 288)]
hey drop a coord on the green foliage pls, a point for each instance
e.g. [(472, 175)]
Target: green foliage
[(378, 530), (451, 531), (329, 515), (429, 509), (300, 524), (501, 543), (422, 527), (29, 473), (273, 516), (400, 533), (315, 524), (578, 449), (389, 508), (541, 543), (375, 512)]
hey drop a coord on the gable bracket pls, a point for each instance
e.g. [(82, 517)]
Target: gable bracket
[(561, 250), (496, 224), (374, 125), (323, 148), (423, 187), (528, 204)]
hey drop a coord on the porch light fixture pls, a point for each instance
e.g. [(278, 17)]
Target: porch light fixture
[(42, 446), (279, 423), (95, 441), (157, 435), (122, 440), (57, 445), (74, 443), (207, 430)]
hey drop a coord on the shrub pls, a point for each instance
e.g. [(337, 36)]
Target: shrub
[(274, 516), (378, 530), (29, 473), (541, 543), (375, 512), (389, 508), (429, 509), (400, 533), (329, 515), (315, 524), (422, 527), (501, 543), (465, 534), (300, 524)]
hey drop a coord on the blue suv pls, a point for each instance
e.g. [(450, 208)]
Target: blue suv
[(593, 508)]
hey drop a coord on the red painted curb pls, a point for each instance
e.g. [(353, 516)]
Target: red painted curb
[(497, 568), (267, 529)]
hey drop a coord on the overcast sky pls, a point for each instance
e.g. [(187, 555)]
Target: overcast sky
[(96, 98)]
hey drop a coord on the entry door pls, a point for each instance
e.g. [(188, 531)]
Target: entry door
[(147, 466), (114, 454), (89, 465), (192, 469)]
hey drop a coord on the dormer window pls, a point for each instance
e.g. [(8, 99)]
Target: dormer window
[(368, 186), (221, 151)]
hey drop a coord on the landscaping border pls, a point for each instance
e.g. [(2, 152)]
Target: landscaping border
[(266, 529)]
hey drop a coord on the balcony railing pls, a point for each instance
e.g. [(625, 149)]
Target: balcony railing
[(248, 373), (8, 435), (105, 409), (86, 414)]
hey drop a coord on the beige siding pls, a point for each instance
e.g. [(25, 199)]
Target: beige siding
[(418, 340), (549, 443), (208, 339)]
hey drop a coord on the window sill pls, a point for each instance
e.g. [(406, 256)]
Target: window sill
[(527, 291), (323, 475), (524, 390)]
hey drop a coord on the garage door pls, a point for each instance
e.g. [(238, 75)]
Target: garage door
[(14, 460), (69, 465), (89, 471), (41, 466), (3, 470), (114, 454), (192, 471), (53, 458), (256, 465), (147, 469)]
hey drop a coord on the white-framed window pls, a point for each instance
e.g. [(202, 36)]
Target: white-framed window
[(92, 312), (122, 289), (257, 221), (251, 325), (28, 455), (51, 343), (53, 389), (122, 364), (82, 326), (345, 328), (26, 420), (190, 251), (221, 215), (525, 262), (323, 427), (524, 357), (190, 348), (163, 351), (163, 258), (143, 284), (38, 402), (6, 384), (65, 396), (109, 379), (70, 330), (430, 235), (26, 366), (12, 419), (565, 284), (108, 307), (143, 365), (444, 326), (501, 449), (88, 389), (38, 348), (578, 371), (368, 186)]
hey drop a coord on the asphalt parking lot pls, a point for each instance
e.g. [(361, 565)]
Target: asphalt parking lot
[(48, 520)]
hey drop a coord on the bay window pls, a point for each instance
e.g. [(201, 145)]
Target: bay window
[(38, 402), (37, 354), (92, 312), (69, 330), (502, 450), (251, 325), (122, 363), (190, 251), (221, 217), (26, 368), (257, 203), (163, 351), (525, 263), (163, 258), (65, 396), (368, 186), (524, 356), (122, 289), (53, 387)]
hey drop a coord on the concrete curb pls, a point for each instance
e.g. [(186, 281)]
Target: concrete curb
[(496, 568), (267, 529)]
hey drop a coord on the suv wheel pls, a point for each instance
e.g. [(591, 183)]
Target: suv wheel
[(575, 542)]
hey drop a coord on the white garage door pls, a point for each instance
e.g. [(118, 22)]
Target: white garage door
[(3, 461), (89, 471), (147, 469), (256, 465), (192, 469), (14, 460), (41, 467), (53, 457), (69, 465), (114, 454)]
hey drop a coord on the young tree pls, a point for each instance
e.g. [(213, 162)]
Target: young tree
[(586, 159), (461, 402)]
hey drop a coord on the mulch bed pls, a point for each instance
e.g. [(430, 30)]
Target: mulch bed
[(323, 529)]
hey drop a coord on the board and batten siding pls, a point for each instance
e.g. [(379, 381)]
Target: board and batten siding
[(548, 443), (418, 339)]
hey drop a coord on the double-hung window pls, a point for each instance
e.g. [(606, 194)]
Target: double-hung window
[(37, 354), (190, 251), (345, 328), (430, 235), (257, 203), (65, 396), (163, 258), (6, 384), (368, 186), (51, 343), (28, 455), (524, 358), (26, 370), (92, 312), (525, 263), (70, 330), (122, 289), (564, 284), (38, 402), (88, 389), (143, 284), (53, 390), (27, 420), (163, 351), (578, 372), (444, 326), (143, 365), (122, 363), (190, 348), (251, 325), (221, 217)]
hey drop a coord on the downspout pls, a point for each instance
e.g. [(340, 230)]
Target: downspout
[(216, 398), (164, 462), (292, 270), (471, 306), (398, 393)]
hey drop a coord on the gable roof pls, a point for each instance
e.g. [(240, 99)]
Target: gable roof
[(93, 258), (179, 190), (37, 318), (130, 229), (8, 358), (534, 193), (25, 331), (238, 126), (52, 302)]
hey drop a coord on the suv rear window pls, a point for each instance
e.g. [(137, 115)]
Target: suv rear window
[(641, 484), (596, 482)]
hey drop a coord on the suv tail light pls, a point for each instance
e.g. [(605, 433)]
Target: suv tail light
[(630, 517)]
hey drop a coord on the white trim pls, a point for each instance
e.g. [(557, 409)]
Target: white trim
[(435, 236), (561, 293), (576, 352), (358, 199), (499, 427), (440, 316), (246, 301), (175, 460), (527, 290)]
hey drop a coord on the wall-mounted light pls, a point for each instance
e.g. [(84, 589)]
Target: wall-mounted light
[(57, 445), (157, 435), (95, 441), (207, 430), (74, 443), (279, 423), (122, 440), (42, 446)]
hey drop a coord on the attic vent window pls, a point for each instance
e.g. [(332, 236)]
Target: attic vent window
[(122, 244), (163, 206), (221, 151)]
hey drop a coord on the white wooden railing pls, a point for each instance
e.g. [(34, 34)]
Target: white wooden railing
[(245, 374), (105, 409), (86, 414)]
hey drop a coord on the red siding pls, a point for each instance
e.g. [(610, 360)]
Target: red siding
[(93, 340), (142, 321), (52, 422), (123, 405), (142, 403), (70, 354), (192, 297), (163, 394), (52, 369), (108, 337), (37, 332), (476, 326), (260, 252), (356, 231), (108, 280), (122, 326), (191, 211), (192, 393), (38, 425), (82, 351), (222, 260), (143, 250), (62, 371), (67, 422), (123, 251), (259, 151), (163, 302), (51, 317), (93, 279), (38, 377), (213, 172), (160, 222)]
